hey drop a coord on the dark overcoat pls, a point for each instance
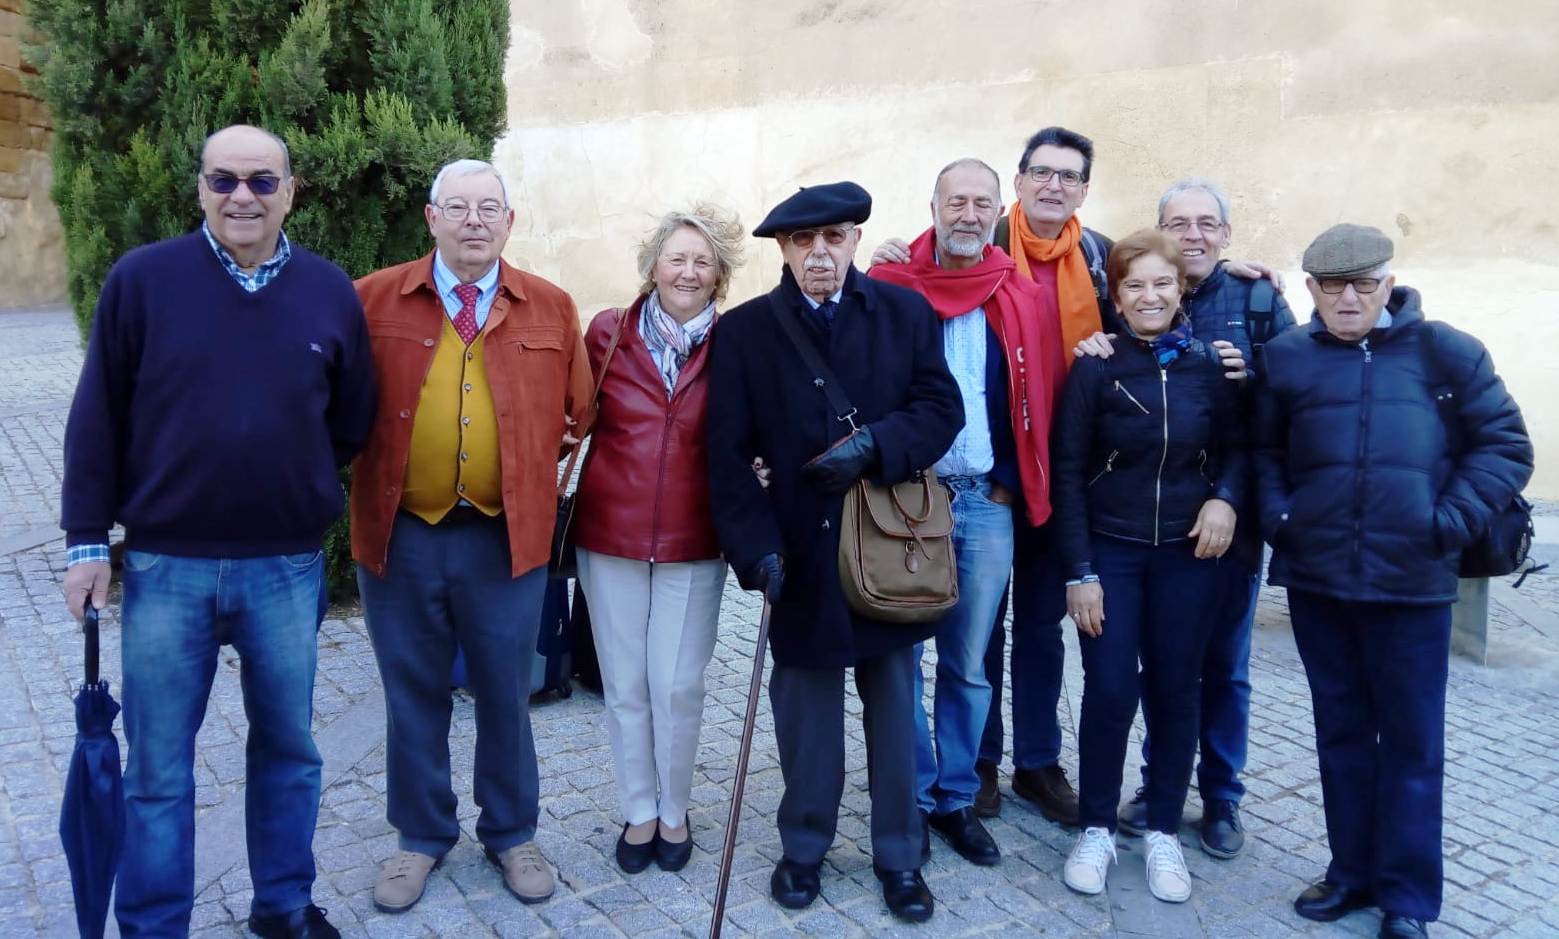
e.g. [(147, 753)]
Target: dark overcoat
[(885, 347)]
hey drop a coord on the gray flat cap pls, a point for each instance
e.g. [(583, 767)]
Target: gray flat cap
[(1347, 249)]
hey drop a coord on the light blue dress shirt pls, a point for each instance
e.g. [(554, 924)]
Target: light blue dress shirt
[(963, 342), (446, 282)]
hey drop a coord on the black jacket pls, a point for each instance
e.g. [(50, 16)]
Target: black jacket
[(1361, 496), (1137, 449), (885, 347)]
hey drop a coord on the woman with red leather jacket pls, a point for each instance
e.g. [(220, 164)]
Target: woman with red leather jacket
[(649, 561)]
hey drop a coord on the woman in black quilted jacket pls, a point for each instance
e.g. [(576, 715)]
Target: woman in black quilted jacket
[(1149, 474)]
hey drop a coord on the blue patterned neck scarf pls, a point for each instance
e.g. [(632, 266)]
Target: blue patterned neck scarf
[(1171, 345)]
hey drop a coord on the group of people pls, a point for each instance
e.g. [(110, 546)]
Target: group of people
[(1119, 426)]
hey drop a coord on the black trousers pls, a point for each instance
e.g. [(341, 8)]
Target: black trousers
[(808, 708)]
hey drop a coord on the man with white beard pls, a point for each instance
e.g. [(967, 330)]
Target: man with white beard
[(1002, 340)]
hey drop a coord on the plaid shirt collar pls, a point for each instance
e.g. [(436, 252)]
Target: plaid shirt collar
[(263, 274)]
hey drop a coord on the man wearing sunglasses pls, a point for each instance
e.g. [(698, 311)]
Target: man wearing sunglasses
[(1385, 444), (227, 379), (884, 344), (482, 370)]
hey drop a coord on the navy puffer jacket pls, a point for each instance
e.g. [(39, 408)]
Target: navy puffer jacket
[(1360, 494)]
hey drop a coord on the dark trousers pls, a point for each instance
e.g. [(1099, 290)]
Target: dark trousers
[(809, 727), (446, 584), (1038, 593), (1377, 682), (1156, 603), (1225, 715)]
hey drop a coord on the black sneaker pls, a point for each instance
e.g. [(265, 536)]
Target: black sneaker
[(1223, 836), (1133, 817)]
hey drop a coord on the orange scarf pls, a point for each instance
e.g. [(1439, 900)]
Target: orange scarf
[(1075, 299)]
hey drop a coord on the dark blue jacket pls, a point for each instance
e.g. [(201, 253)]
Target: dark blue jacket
[(1136, 450), (885, 347), (1360, 494)]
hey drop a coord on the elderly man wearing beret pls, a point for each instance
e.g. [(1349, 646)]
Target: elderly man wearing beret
[(1386, 444), (884, 345)]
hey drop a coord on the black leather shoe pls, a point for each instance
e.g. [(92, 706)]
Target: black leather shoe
[(307, 923), (1403, 927), (925, 837), (633, 858), (963, 831), (906, 894), (987, 802), (673, 855), (794, 885), (1326, 901), (1222, 834)]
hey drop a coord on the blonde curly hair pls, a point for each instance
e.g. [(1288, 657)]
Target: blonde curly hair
[(719, 226)]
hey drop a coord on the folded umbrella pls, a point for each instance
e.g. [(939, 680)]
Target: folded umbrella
[(92, 815)]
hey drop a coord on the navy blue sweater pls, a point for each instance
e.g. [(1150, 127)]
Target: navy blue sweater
[(210, 421)]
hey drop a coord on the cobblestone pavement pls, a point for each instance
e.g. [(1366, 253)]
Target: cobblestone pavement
[(1501, 835)]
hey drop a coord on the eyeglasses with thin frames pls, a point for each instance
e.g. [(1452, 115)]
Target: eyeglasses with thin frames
[(488, 212), (1070, 179), (1180, 226), (262, 184)]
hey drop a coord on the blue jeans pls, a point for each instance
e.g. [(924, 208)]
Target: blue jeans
[(178, 612), (1038, 655), (1156, 603), (1225, 719), (982, 543), (1377, 676)]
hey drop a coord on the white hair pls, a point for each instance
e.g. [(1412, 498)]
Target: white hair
[(1196, 184), (461, 168)]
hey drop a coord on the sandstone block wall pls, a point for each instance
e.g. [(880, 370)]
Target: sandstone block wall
[(32, 250), (1431, 119)]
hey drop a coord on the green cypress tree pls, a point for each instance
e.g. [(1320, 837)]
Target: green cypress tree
[(372, 96)]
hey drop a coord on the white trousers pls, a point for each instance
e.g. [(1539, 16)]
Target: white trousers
[(654, 627)]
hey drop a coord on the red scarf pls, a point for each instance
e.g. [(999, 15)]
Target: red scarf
[(1025, 320)]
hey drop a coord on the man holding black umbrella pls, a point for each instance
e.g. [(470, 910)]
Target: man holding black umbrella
[(885, 345), (227, 378)]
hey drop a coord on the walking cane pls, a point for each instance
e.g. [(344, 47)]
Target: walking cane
[(741, 771)]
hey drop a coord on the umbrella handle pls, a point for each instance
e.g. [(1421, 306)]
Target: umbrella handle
[(90, 655), (748, 723)]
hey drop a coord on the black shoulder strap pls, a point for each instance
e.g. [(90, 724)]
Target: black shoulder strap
[(822, 375), (1441, 385), (1093, 253), (1258, 311)]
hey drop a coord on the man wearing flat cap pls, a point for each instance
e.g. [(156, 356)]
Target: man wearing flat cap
[(1386, 443), (884, 346)]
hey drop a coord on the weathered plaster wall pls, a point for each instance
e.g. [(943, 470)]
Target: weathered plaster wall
[(1429, 118), (32, 247)]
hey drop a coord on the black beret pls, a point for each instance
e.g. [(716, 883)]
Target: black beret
[(813, 206)]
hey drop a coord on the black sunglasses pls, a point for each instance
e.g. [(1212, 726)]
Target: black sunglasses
[(224, 183)]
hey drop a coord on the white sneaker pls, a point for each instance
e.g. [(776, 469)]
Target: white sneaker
[(1168, 878), (1089, 861)]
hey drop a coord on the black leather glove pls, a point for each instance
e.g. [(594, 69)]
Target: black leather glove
[(766, 574), (836, 469)]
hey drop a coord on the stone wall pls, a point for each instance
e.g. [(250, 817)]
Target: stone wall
[(1428, 118), (32, 248)]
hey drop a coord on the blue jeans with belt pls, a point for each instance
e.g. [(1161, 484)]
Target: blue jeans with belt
[(982, 543), (178, 612)]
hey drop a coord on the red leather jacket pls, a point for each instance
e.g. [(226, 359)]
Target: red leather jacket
[(644, 489)]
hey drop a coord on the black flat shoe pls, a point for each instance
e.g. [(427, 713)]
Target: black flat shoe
[(673, 855), (307, 923), (964, 831), (1403, 927), (633, 858), (1223, 836), (794, 885), (1325, 901), (906, 894)]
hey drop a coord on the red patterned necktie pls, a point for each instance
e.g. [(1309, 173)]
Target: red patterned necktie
[(465, 320)]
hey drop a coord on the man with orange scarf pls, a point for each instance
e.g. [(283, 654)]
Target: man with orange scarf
[(1003, 344)]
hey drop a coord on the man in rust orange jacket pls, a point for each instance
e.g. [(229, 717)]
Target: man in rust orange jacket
[(481, 369)]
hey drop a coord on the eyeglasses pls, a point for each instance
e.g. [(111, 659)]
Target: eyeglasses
[(805, 237), (458, 211), (224, 183), (1361, 285), (1180, 226), (1070, 179)]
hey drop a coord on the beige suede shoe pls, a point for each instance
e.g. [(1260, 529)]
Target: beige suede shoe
[(401, 881), (525, 872)]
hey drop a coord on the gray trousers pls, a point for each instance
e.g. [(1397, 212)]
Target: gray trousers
[(446, 583), (809, 727)]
